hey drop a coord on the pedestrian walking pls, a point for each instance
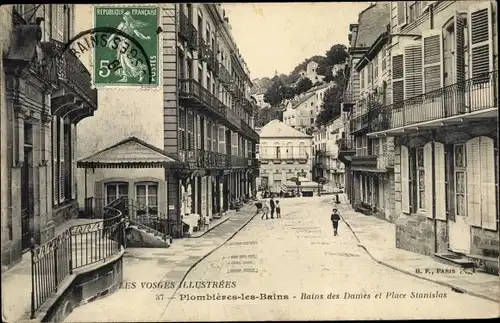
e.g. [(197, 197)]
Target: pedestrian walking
[(278, 210), (337, 199), (273, 206), (265, 210), (335, 218)]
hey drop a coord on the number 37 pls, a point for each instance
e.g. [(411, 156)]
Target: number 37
[(106, 67)]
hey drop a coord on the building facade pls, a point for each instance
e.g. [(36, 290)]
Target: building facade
[(201, 118), (326, 152), (283, 153), (45, 93), (371, 162), (311, 73), (443, 116), (260, 101)]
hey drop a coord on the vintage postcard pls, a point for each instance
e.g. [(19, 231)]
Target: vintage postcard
[(249, 161)]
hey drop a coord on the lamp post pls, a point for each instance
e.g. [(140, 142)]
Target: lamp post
[(303, 174)]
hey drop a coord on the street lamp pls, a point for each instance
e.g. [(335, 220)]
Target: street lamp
[(299, 174)]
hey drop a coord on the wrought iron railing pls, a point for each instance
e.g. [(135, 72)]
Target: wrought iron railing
[(346, 144), (191, 88), (475, 94), (150, 217), (72, 71), (75, 247), (224, 76), (249, 131), (192, 39), (183, 26)]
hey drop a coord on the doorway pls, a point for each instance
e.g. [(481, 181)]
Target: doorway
[(27, 191)]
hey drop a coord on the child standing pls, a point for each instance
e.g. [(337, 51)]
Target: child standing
[(335, 218), (278, 210)]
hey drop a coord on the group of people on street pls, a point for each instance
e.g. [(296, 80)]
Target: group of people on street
[(269, 206)]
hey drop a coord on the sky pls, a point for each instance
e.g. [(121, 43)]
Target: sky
[(279, 36)]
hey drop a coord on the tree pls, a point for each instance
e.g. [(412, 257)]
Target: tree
[(274, 94), (337, 54), (288, 92), (302, 66), (330, 108), (304, 85), (267, 114)]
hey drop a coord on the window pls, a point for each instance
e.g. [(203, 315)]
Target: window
[(278, 152), (147, 195), (190, 131), (362, 79), (369, 73), (375, 68), (460, 179), (67, 22), (115, 190), (182, 129), (420, 180), (302, 150)]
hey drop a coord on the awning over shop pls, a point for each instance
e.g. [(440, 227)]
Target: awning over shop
[(368, 170), (130, 153)]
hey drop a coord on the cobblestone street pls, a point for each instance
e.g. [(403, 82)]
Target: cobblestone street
[(281, 269)]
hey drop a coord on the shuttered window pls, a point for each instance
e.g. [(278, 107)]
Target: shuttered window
[(427, 193), (488, 189), (222, 140), (481, 35), (55, 160), (440, 180), (73, 161), (397, 78), (214, 136), (58, 22), (375, 68), (198, 132), (432, 58), (402, 13), (190, 130), (473, 182), (459, 55), (182, 129), (413, 70), (369, 74), (405, 185), (61, 161), (209, 136)]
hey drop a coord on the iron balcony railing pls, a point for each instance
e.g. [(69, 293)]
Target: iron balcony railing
[(72, 71), (475, 94), (225, 77), (249, 131), (203, 159), (191, 88), (346, 144), (183, 26), (76, 247), (192, 39)]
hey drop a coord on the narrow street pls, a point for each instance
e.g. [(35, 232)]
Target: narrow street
[(281, 269)]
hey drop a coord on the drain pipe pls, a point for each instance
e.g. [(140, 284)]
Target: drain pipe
[(434, 217)]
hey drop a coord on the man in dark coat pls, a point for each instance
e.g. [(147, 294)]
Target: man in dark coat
[(273, 206)]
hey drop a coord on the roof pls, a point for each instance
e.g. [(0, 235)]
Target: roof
[(277, 129), (302, 100), (129, 153), (319, 87), (372, 22)]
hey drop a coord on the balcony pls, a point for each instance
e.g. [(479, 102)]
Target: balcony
[(473, 99), (248, 131), (202, 159), (192, 39), (74, 98), (368, 161), (193, 93), (346, 150), (225, 77), (183, 27)]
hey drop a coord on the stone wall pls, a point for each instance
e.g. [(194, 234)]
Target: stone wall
[(85, 288), (483, 240), (415, 233)]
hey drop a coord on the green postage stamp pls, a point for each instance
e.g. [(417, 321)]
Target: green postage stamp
[(124, 62)]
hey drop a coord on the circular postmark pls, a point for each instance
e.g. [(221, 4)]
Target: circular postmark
[(121, 59)]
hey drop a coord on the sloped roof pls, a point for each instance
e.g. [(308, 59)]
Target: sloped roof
[(129, 153), (319, 87), (277, 129), (303, 99), (372, 22)]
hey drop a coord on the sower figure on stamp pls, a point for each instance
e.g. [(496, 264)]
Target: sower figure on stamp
[(130, 67), (335, 218)]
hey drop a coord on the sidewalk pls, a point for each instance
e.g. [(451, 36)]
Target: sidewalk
[(377, 237), (160, 265), (16, 282)]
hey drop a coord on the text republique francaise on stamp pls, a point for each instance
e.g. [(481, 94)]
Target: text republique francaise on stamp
[(124, 44)]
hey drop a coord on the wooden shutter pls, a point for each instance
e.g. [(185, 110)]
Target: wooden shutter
[(439, 167), (190, 130), (488, 190), (402, 14), (61, 161), (405, 185), (214, 137), (222, 139), (481, 36), (58, 22), (413, 70), (55, 161), (73, 161), (433, 59), (460, 62), (397, 78), (473, 182), (428, 179), (198, 132)]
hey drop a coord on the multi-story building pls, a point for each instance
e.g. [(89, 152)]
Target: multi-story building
[(260, 101), (372, 162), (443, 116), (311, 73), (301, 112), (283, 153), (199, 123), (325, 151), (45, 93)]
